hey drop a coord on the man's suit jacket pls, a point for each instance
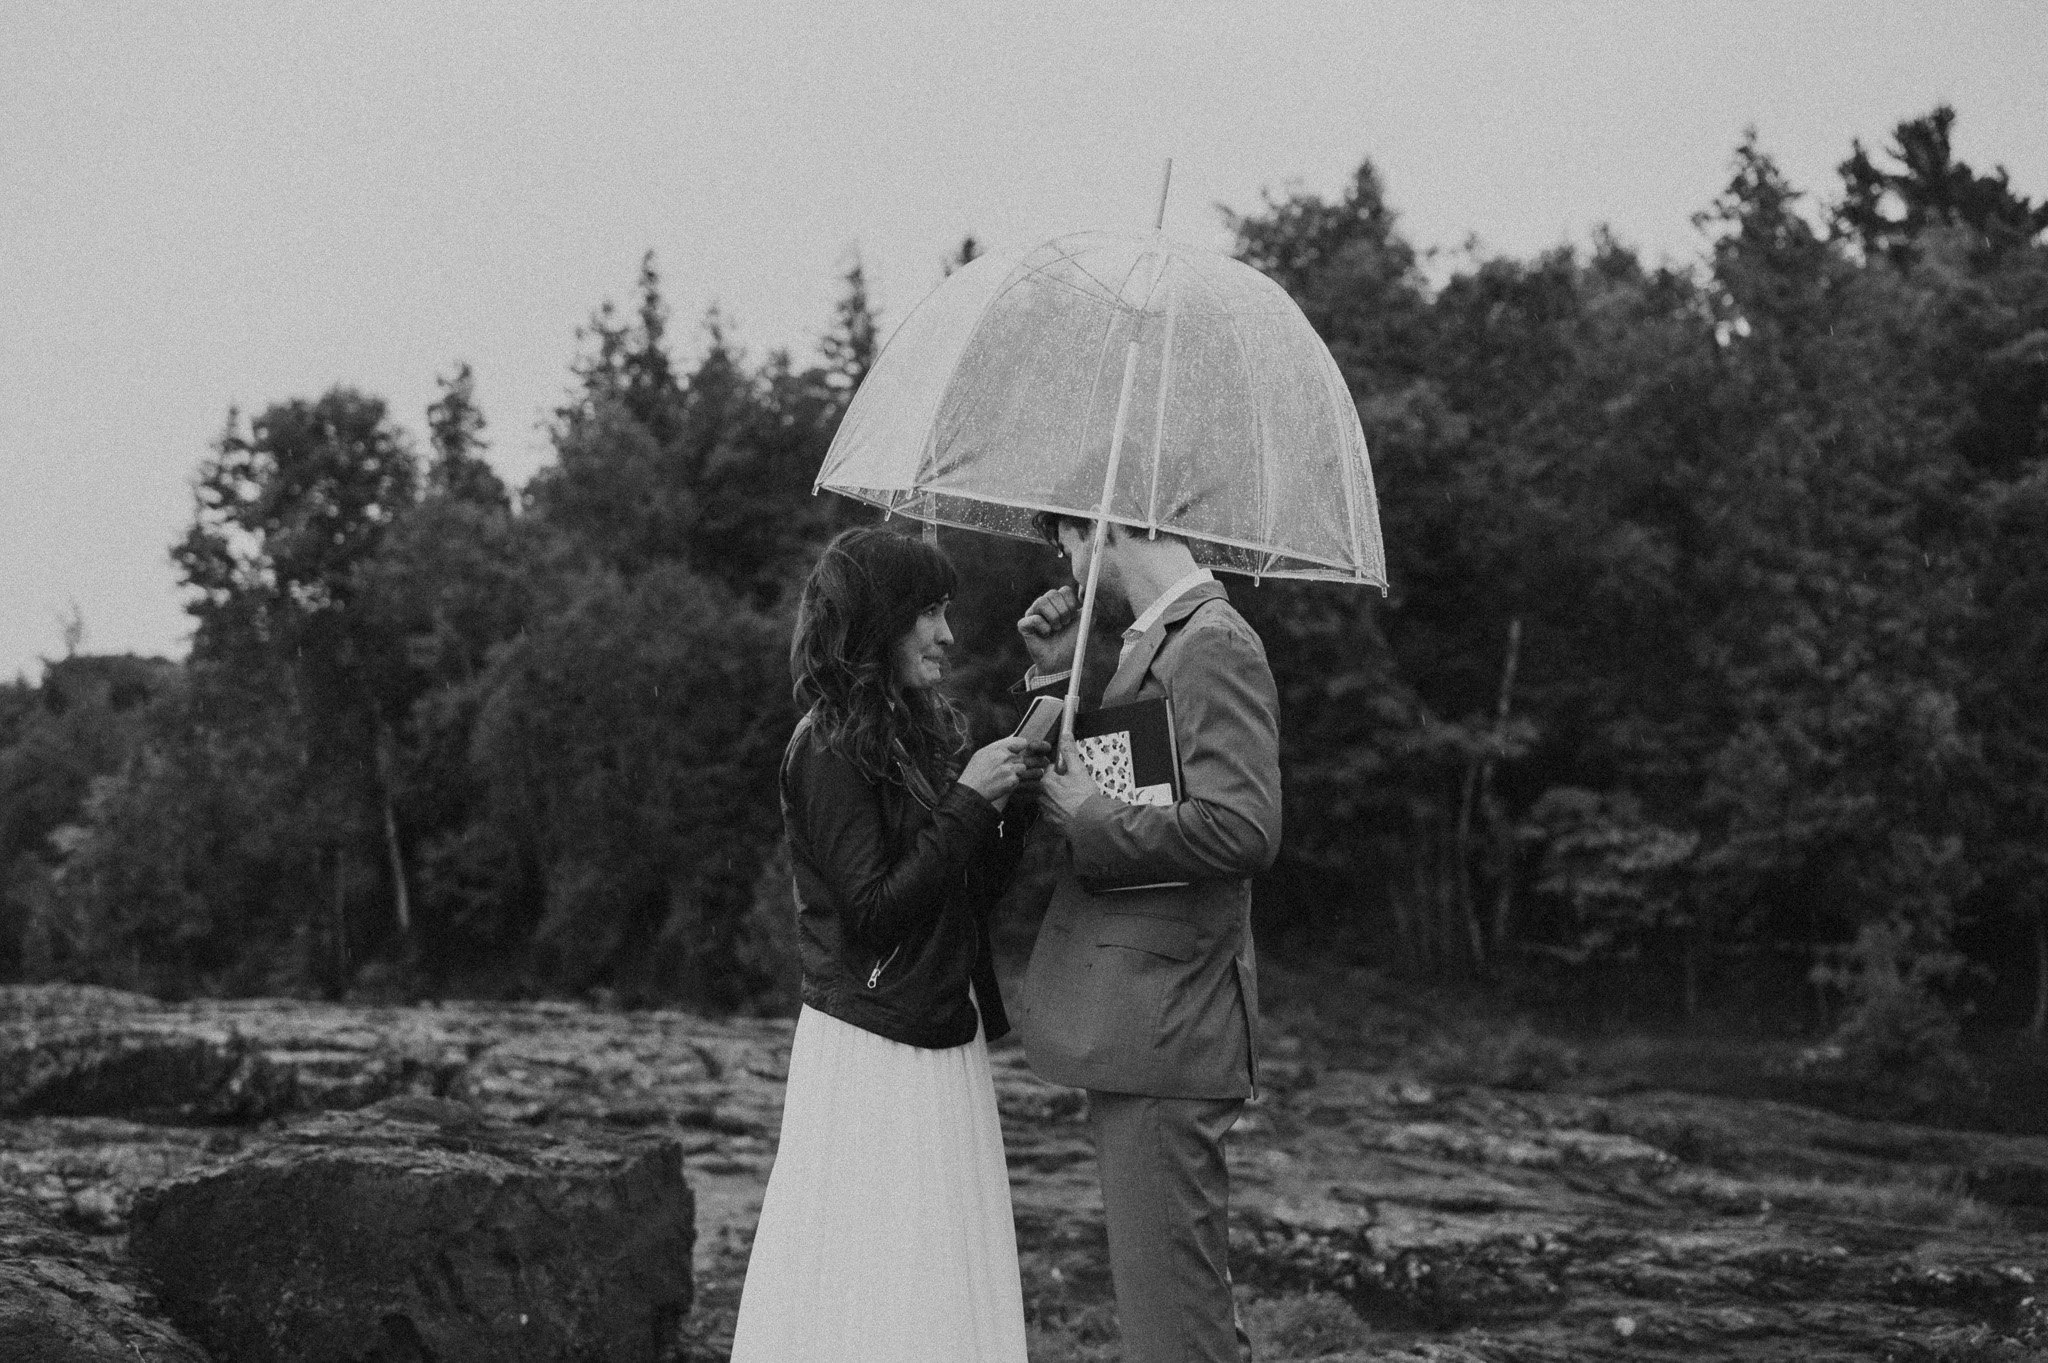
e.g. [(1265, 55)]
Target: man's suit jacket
[(1155, 992)]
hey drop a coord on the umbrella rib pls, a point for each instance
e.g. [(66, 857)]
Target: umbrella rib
[(1095, 386), (1258, 417), (1111, 296), (1116, 295), (826, 467), (1019, 273), (1026, 270), (1159, 417), (1023, 271), (1044, 272), (931, 437), (1333, 383), (1316, 567), (1339, 569)]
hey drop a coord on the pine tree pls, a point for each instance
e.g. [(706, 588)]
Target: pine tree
[(289, 518), (456, 426), (1888, 211), (850, 347)]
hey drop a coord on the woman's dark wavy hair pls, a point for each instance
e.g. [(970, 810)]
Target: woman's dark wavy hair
[(865, 591)]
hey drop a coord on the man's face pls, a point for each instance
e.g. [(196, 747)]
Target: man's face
[(1076, 542)]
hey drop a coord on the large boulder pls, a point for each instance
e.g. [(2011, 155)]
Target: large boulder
[(63, 1299), (419, 1229)]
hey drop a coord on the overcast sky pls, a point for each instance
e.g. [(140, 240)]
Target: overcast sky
[(214, 204)]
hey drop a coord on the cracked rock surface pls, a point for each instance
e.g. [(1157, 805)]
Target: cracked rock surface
[(1376, 1217)]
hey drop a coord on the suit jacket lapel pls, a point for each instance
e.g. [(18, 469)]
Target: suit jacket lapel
[(1132, 670), (1124, 685)]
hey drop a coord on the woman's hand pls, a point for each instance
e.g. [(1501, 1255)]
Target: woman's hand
[(994, 772)]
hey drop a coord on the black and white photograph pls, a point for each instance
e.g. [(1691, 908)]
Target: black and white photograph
[(1344, 681)]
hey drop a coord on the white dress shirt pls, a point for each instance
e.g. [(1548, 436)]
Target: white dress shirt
[(1144, 623)]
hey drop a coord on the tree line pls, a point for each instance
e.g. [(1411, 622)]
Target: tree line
[(1714, 672)]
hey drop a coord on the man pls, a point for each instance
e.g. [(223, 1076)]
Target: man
[(1147, 998)]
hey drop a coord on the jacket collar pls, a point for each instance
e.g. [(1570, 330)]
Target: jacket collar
[(1124, 684)]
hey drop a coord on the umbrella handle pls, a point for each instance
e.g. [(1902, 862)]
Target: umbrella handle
[(1116, 450), (1081, 639)]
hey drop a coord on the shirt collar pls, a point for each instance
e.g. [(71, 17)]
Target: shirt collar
[(1165, 603)]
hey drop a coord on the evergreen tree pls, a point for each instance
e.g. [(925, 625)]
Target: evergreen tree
[(455, 427), (289, 516), (852, 344), (621, 490), (1886, 211)]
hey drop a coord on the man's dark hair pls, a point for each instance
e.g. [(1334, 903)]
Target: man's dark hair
[(1047, 524)]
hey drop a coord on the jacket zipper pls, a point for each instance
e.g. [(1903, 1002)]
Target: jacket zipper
[(874, 976)]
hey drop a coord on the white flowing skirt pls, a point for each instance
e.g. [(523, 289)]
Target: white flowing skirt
[(885, 1234)]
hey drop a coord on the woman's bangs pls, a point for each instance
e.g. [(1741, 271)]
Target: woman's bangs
[(931, 576)]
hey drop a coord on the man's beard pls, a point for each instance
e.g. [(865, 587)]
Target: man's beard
[(1112, 608)]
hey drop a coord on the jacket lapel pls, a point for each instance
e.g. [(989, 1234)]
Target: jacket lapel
[(1124, 685)]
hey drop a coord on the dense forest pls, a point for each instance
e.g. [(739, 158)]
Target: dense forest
[(1713, 678)]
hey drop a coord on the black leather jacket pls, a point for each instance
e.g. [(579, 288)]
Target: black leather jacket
[(893, 899)]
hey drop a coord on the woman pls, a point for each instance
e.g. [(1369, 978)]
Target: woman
[(886, 1230)]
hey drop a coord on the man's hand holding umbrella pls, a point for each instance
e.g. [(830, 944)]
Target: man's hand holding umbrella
[(1064, 786)]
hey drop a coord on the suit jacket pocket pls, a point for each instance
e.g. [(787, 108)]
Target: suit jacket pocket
[(1168, 937)]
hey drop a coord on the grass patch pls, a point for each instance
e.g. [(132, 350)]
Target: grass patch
[(1069, 1304), (1066, 1343), (1296, 1326), (1309, 1325), (1359, 1018), (1519, 1057)]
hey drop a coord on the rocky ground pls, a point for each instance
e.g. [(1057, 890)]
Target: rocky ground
[(1378, 1216)]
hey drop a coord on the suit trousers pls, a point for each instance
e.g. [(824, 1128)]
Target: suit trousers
[(1166, 1199)]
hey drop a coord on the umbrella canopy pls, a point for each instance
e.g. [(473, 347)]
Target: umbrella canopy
[(1126, 377)]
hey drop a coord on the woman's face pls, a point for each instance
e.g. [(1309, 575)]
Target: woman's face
[(921, 652)]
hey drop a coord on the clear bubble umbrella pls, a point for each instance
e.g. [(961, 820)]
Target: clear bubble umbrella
[(1119, 376)]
